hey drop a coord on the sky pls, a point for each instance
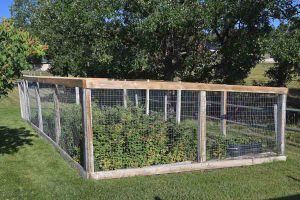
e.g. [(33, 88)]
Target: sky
[(4, 8)]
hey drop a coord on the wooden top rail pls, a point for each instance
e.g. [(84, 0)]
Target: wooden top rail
[(105, 83)]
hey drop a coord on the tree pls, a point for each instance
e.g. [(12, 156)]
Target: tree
[(120, 39), (237, 27), (16, 47), (283, 44), (158, 39)]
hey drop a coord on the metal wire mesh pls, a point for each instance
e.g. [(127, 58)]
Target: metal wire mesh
[(61, 120), (126, 135), (137, 128), (250, 125)]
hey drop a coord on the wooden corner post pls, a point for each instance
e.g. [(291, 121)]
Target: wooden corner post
[(201, 154), (21, 99), (57, 115), (26, 100), (88, 132), (223, 112), (281, 122)]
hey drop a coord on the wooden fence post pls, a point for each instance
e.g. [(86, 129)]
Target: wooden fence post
[(39, 106), (125, 98), (201, 154), (28, 101), (77, 95), (136, 100), (276, 122), (223, 112), (166, 107), (178, 106), (88, 132), (21, 99), (147, 101), (281, 122), (57, 115)]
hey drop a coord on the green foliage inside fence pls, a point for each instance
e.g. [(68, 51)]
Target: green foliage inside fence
[(128, 138)]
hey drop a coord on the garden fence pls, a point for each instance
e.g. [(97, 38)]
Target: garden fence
[(116, 128)]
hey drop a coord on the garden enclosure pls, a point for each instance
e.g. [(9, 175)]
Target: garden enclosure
[(116, 128)]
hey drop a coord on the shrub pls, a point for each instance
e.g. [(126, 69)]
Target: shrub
[(128, 138)]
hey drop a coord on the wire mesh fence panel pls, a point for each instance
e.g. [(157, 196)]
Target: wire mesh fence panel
[(250, 126), (71, 138), (128, 136), (46, 92), (32, 103), (136, 98), (169, 126), (293, 126), (60, 114), (189, 105)]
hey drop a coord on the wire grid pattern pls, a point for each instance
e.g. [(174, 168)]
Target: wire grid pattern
[(137, 128), (31, 91), (250, 125), (70, 138), (46, 92), (125, 136)]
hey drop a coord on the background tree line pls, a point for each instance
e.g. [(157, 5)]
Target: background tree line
[(217, 41)]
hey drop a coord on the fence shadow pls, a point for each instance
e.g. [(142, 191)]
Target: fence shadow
[(11, 139), (291, 197)]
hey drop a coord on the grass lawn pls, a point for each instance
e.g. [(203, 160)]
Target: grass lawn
[(31, 169), (257, 74)]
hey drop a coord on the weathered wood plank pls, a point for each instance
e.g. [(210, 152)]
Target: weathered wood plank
[(184, 167), (77, 95), (281, 123), (153, 85), (57, 115), (201, 154), (178, 106), (166, 108), (66, 81), (158, 85), (147, 101), (136, 100), (276, 121), (88, 131), (26, 100), (125, 98), (21, 99)]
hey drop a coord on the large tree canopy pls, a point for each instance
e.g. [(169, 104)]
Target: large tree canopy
[(16, 47), (283, 44), (157, 39)]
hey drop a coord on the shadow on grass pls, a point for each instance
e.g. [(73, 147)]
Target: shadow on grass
[(291, 197), (11, 139)]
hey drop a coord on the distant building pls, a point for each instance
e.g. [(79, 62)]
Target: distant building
[(43, 65)]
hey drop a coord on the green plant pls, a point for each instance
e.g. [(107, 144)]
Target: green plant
[(16, 46)]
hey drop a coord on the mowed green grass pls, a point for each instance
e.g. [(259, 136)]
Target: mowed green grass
[(257, 75), (31, 169)]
